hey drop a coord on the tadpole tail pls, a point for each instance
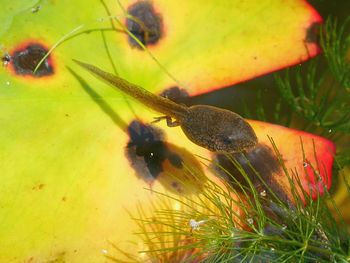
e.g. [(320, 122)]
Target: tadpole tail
[(155, 102)]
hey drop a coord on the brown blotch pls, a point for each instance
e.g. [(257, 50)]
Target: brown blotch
[(153, 158), (146, 25), (147, 151), (182, 180), (31, 259), (26, 58), (38, 187), (265, 163), (175, 94), (313, 33)]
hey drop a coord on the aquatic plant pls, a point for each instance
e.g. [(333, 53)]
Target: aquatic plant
[(74, 154)]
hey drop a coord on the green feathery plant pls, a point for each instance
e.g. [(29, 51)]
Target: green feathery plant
[(256, 226), (206, 227), (315, 96), (319, 91)]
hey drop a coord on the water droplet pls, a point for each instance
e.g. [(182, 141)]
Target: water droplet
[(250, 221), (305, 164), (263, 193), (284, 227), (104, 251), (272, 249), (8, 83), (330, 131)]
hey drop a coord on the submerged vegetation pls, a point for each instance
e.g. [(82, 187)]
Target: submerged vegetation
[(319, 92), (315, 96), (235, 222)]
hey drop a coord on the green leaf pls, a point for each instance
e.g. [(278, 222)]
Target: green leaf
[(66, 180)]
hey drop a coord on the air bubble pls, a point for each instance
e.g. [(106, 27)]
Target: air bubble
[(250, 221), (263, 193)]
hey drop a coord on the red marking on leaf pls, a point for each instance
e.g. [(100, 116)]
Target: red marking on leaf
[(308, 156)]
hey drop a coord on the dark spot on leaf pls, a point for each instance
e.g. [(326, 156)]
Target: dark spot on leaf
[(313, 33), (147, 151), (145, 24), (175, 184), (177, 187), (175, 160), (38, 187), (26, 58), (261, 159), (175, 94)]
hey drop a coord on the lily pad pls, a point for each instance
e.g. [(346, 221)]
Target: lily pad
[(67, 179)]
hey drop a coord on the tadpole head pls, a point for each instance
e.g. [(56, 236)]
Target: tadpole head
[(235, 135)]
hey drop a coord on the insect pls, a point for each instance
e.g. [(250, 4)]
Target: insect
[(213, 128)]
